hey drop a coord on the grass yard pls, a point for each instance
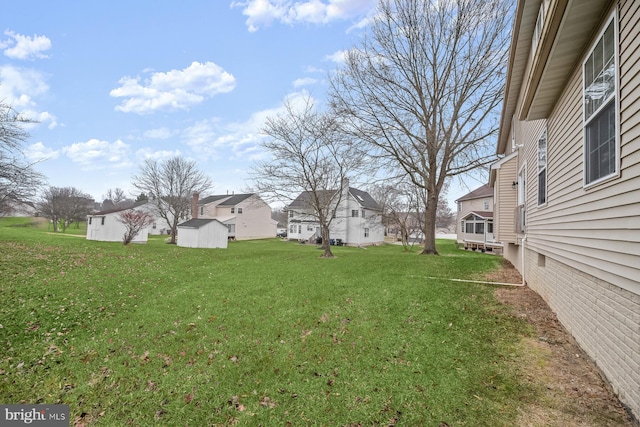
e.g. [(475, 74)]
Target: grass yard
[(262, 333)]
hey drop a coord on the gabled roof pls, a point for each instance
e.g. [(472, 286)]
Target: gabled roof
[(478, 193), (481, 214), (195, 223), (362, 197), (121, 208), (235, 199), (210, 199), (231, 199), (303, 199)]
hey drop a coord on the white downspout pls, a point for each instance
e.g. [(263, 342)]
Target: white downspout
[(524, 240)]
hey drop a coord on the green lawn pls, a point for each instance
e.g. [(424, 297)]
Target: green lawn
[(262, 333)]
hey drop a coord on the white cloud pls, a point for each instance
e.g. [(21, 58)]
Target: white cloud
[(159, 133), (20, 88), (307, 81), (95, 154), (173, 90), (338, 57), (38, 152), (148, 153), (23, 47), (236, 141), (261, 13)]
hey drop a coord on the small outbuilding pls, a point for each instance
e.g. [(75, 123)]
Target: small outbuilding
[(203, 233)]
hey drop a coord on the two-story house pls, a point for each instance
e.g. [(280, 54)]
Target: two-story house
[(567, 189), (475, 220), (246, 216), (357, 220)]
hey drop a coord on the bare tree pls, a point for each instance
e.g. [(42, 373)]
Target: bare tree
[(64, 206), (19, 182), (170, 185), (310, 161), (115, 198), (423, 90), (134, 221)]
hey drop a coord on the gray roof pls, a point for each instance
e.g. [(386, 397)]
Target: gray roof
[(121, 208), (232, 199), (362, 197), (235, 199), (211, 199), (478, 193), (196, 222)]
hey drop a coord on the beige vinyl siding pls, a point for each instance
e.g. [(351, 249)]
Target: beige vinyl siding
[(595, 230), (504, 215)]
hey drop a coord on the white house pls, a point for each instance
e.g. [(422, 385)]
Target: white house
[(105, 225), (358, 219), (246, 216), (203, 233), (568, 187)]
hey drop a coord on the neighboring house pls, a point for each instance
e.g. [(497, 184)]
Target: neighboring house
[(105, 225), (246, 216), (203, 233), (568, 187), (475, 220), (358, 220)]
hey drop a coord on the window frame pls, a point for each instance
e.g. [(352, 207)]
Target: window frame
[(612, 101), (354, 213), (543, 170)]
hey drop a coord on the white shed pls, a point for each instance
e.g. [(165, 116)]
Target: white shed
[(203, 233)]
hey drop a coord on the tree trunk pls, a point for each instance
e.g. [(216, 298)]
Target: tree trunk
[(326, 244), (430, 227), (174, 231)]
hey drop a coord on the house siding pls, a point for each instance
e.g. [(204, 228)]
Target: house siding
[(506, 202), (594, 229), (581, 250)]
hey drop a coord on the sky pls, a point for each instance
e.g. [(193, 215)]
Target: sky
[(114, 83)]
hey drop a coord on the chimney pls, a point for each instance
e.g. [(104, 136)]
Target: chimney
[(194, 205)]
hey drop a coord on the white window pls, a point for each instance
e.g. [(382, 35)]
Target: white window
[(542, 169), (233, 210), (310, 228), (362, 212), (201, 210), (354, 213), (366, 232), (239, 210), (292, 229), (290, 214), (599, 76), (486, 204), (232, 228)]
